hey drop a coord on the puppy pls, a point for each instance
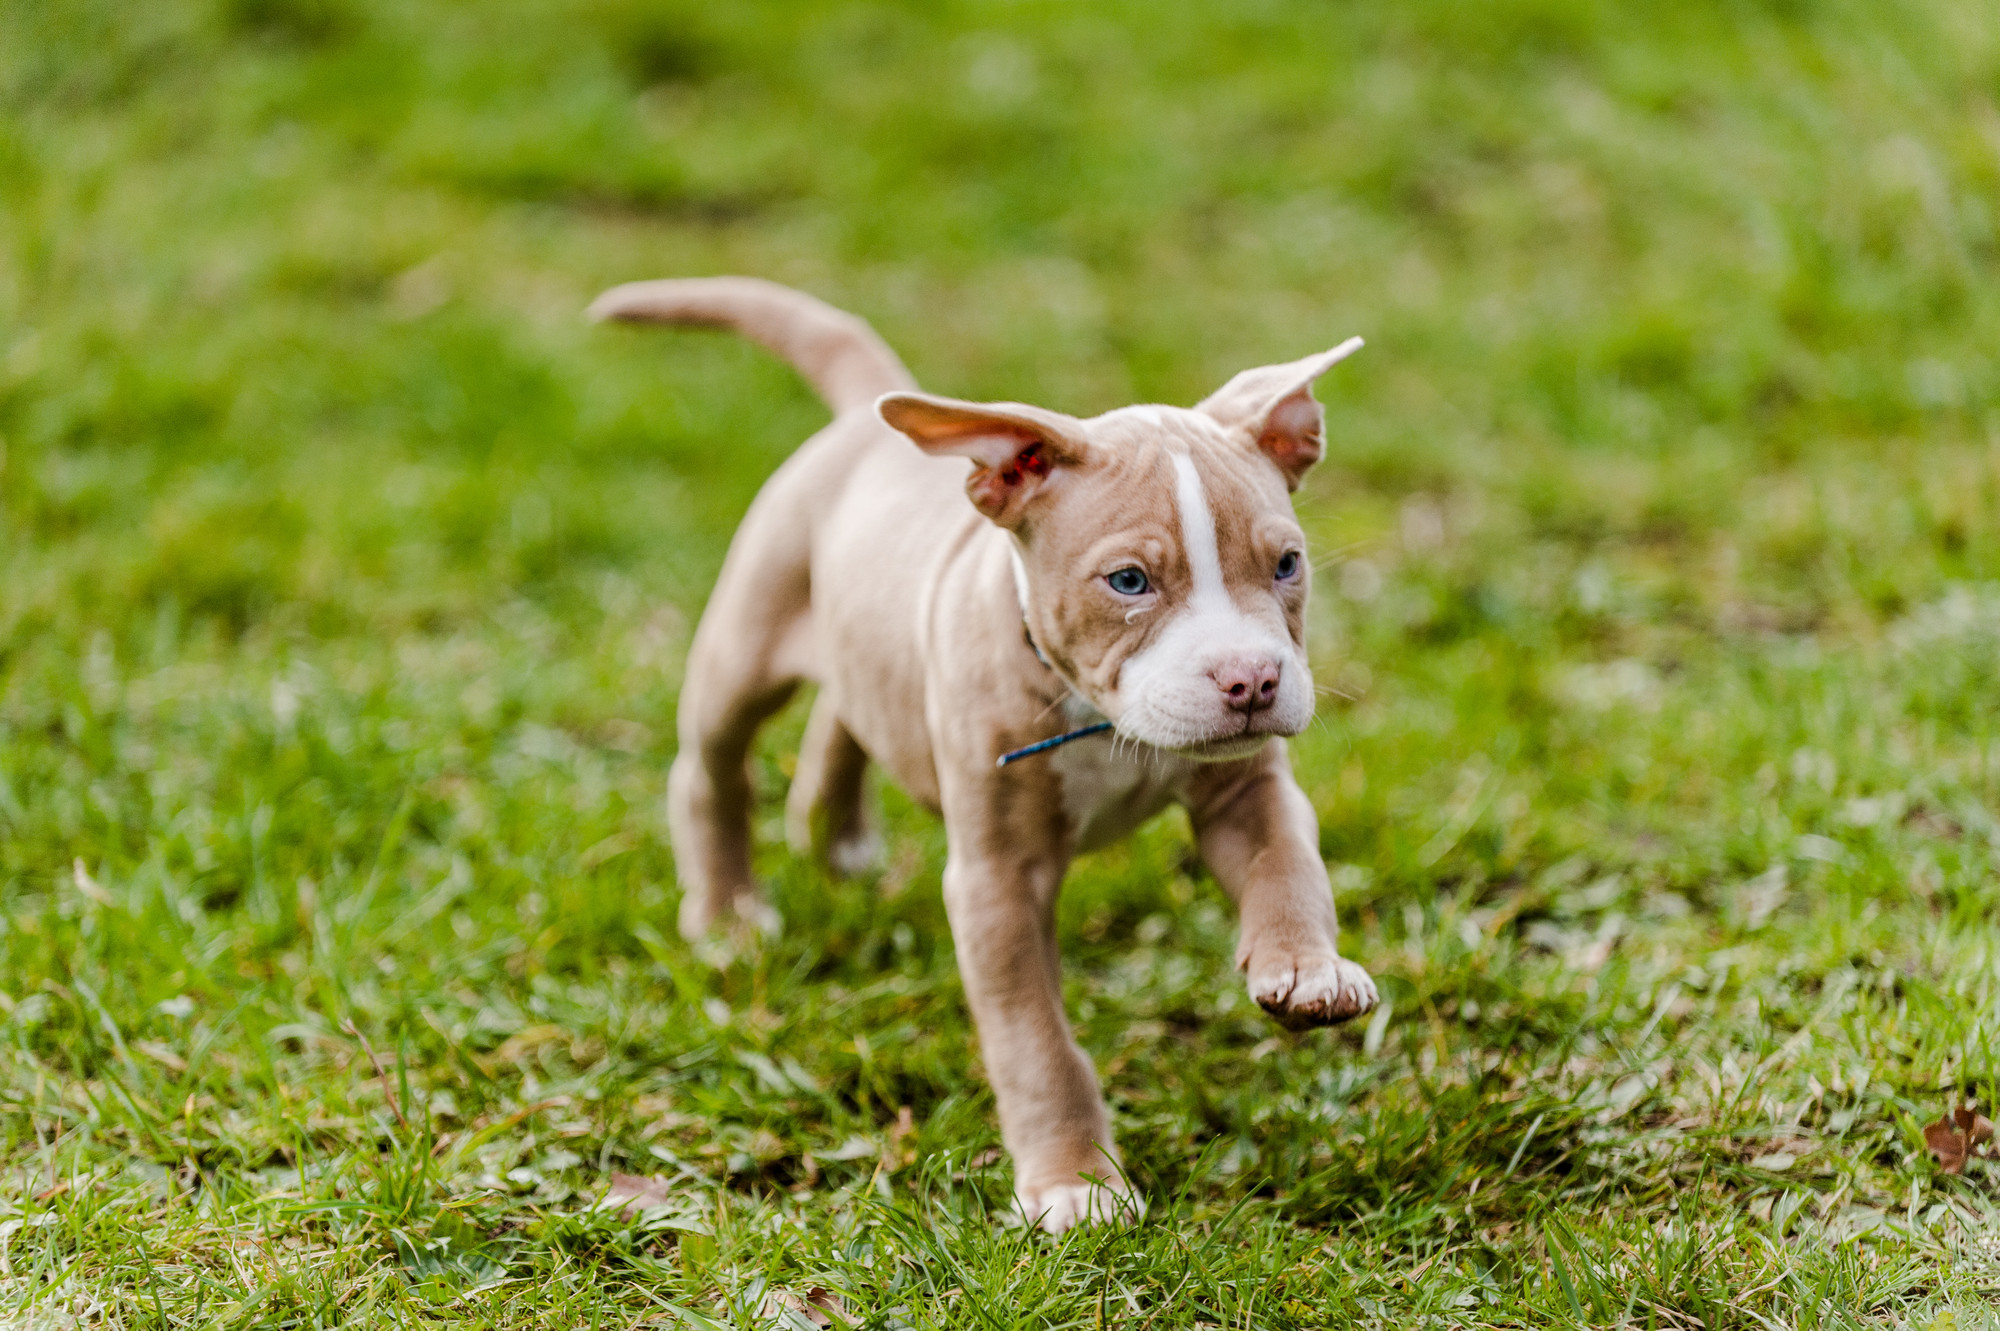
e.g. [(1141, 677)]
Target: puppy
[(966, 580)]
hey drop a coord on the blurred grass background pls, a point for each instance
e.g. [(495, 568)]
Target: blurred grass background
[(346, 575)]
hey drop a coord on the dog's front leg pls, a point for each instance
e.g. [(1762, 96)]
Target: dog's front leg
[(1002, 908), (1259, 835)]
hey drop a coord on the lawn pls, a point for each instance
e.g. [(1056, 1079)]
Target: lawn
[(346, 575)]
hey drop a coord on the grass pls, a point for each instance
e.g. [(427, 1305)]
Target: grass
[(345, 577)]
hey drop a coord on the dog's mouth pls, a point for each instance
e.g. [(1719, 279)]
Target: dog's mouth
[(1209, 738), (1228, 748)]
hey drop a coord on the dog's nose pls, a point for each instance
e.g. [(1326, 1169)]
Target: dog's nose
[(1248, 682)]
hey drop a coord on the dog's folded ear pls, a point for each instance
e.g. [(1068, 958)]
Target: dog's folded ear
[(1274, 404), (1015, 448)]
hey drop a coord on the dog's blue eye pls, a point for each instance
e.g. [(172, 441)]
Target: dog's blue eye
[(1288, 566), (1128, 582)]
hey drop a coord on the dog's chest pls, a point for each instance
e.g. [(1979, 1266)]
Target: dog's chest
[(1109, 789)]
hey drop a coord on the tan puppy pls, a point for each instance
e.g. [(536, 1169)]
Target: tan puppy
[(1141, 567)]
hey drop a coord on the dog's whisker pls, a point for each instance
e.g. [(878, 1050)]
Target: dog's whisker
[(1341, 553)]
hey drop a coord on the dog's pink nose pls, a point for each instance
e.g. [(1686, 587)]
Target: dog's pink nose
[(1248, 682)]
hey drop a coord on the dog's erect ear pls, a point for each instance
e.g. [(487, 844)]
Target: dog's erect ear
[(1014, 448), (1275, 405)]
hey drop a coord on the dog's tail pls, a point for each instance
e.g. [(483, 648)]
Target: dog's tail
[(837, 352)]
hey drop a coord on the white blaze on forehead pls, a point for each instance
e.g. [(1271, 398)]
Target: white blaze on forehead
[(1198, 535)]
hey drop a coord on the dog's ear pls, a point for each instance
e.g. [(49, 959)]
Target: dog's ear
[(1015, 449), (1274, 404)]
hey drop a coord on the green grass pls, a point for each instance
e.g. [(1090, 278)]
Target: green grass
[(345, 576)]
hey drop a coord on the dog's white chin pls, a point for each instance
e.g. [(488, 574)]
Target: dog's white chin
[(1199, 743), (1226, 750)]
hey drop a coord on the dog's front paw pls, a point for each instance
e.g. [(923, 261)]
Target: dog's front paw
[(738, 919), (1060, 1206), (856, 854), (1321, 991)]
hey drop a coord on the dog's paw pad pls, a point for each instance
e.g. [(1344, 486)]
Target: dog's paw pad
[(1060, 1206), (1320, 992)]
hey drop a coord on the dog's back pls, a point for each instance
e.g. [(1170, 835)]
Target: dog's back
[(857, 508)]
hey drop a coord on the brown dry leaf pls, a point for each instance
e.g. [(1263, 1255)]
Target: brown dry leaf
[(633, 1194), (816, 1305), (1946, 1146), (1957, 1137), (1978, 1128)]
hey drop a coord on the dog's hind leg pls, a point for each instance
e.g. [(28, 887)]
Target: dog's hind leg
[(826, 813), (708, 794), (751, 649)]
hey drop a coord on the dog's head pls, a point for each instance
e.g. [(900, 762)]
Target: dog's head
[(1159, 565)]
